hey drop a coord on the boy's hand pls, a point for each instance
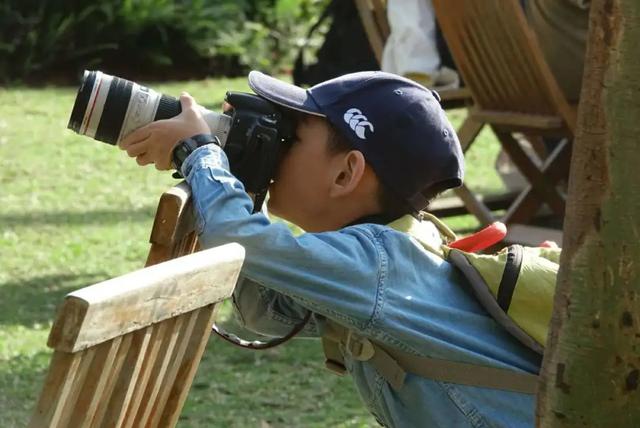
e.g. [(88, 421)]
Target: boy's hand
[(153, 143)]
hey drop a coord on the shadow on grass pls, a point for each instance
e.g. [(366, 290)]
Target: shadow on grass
[(78, 217), (34, 300), (286, 386), (21, 380)]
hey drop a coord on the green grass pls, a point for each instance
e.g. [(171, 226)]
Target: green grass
[(74, 211)]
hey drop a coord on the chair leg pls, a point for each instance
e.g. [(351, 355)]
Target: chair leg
[(371, 28), (555, 167), (468, 132), (474, 205), (537, 143), (542, 185)]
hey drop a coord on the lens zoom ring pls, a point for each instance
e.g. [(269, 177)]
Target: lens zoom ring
[(115, 109), (168, 107)]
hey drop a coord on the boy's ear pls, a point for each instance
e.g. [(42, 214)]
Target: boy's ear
[(348, 173)]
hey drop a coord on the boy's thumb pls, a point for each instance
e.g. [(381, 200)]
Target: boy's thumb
[(186, 101)]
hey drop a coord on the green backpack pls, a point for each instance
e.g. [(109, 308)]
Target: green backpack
[(516, 285)]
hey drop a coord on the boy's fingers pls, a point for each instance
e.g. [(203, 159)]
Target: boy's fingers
[(163, 166), (134, 137), (144, 159), (137, 149)]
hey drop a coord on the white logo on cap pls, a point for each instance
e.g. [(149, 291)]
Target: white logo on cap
[(358, 122)]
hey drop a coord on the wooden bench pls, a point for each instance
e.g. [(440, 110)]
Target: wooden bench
[(126, 349)]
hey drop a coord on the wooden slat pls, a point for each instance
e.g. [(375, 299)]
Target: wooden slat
[(173, 206), (548, 85), (128, 378), (158, 333), (159, 253), (65, 391), (112, 372), (512, 64), (159, 370), (518, 120), (499, 58), (189, 366), (94, 386), (187, 245), (56, 388), (491, 58), (525, 95), (77, 389), (118, 306), (531, 95), (477, 78), (177, 358), (181, 247), (173, 232)]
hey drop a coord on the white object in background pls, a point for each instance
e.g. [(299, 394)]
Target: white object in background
[(411, 46)]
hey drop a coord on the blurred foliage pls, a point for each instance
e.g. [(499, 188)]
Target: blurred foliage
[(53, 39)]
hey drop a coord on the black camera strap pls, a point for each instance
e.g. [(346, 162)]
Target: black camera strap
[(257, 345)]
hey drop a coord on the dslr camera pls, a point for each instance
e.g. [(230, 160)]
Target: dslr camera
[(254, 134)]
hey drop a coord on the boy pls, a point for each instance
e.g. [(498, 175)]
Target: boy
[(370, 147)]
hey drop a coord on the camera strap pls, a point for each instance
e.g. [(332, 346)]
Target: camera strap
[(257, 345)]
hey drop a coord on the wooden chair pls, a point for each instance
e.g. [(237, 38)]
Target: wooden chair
[(513, 91), (374, 19), (173, 232), (126, 350)]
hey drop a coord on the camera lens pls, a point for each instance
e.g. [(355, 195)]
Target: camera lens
[(107, 107)]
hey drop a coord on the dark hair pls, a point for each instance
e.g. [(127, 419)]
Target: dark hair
[(393, 206)]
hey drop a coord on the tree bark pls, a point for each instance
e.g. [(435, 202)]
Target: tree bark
[(591, 368)]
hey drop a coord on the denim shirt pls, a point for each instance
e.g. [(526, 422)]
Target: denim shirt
[(374, 280)]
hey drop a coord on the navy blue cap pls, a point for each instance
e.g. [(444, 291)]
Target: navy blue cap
[(397, 124)]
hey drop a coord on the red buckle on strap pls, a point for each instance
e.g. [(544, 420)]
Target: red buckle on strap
[(481, 240)]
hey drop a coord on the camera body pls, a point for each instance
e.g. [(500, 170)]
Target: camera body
[(254, 134), (259, 136)]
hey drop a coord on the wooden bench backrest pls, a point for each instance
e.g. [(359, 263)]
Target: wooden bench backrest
[(126, 350), (173, 232), (498, 56)]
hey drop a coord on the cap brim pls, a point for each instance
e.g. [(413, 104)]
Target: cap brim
[(282, 93)]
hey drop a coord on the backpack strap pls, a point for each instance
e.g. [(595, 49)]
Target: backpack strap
[(499, 305), (509, 277), (393, 364), (424, 233)]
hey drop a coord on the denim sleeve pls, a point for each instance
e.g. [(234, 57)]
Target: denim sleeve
[(334, 274), (269, 313)]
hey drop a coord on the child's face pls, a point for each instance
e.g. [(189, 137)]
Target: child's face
[(300, 191)]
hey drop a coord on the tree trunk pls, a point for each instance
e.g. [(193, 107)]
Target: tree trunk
[(590, 373)]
